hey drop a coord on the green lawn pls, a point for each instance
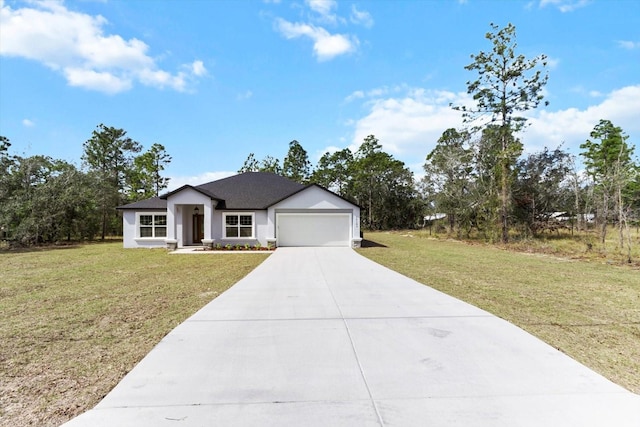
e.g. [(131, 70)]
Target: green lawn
[(589, 310), (74, 321)]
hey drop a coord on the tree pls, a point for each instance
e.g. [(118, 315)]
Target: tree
[(608, 160), (538, 188), (47, 200), (7, 161), (483, 197), (250, 164), (270, 164), (575, 183), (507, 84), (334, 171), (109, 156), (296, 164), (384, 188), (4, 153), (447, 170), (146, 176)]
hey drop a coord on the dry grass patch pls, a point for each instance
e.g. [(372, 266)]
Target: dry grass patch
[(589, 310), (75, 320)]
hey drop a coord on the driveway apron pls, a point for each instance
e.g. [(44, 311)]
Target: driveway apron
[(326, 337)]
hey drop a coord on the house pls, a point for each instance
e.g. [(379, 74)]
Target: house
[(249, 208)]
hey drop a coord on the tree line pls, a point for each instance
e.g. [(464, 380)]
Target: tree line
[(382, 186), (45, 200), (476, 175), (463, 180)]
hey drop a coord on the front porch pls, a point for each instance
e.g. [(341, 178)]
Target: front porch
[(190, 221)]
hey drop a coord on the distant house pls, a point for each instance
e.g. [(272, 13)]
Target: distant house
[(434, 217), (566, 216), (250, 208), (560, 216)]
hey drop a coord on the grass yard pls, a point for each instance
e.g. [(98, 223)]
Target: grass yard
[(589, 310), (75, 320)]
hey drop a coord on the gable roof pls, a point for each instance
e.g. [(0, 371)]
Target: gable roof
[(245, 191), (251, 190), (304, 187), (152, 203), (198, 189)]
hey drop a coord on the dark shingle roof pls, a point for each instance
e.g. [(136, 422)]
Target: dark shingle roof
[(251, 190), (152, 203), (198, 189)]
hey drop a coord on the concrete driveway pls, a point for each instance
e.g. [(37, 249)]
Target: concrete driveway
[(325, 337)]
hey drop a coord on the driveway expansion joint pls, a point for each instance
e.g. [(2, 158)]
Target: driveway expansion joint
[(360, 342)]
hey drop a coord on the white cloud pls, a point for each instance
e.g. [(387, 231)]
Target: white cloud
[(628, 44), (319, 153), (572, 126), (325, 45), (358, 94), (409, 121), (376, 92), (244, 96), (74, 44), (176, 182), (584, 92), (102, 81), (28, 123), (324, 8), (565, 5), (361, 17), (198, 69), (408, 125)]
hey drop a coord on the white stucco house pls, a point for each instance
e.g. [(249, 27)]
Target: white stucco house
[(249, 208)]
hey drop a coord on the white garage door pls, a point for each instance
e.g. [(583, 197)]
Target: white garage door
[(313, 229)]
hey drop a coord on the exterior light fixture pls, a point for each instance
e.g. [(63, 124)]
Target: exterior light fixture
[(196, 211)]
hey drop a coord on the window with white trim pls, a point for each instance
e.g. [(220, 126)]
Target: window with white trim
[(238, 225), (152, 225)]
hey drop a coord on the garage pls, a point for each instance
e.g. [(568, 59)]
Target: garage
[(313, 229)]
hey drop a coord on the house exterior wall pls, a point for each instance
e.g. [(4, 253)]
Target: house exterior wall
[(130, 231), (180, 207), (179, 215), (260, 228), (314, 200)]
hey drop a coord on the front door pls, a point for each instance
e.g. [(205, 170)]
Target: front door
[(198, 229)]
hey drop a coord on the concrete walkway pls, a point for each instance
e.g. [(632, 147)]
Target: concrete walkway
[(325, 337)]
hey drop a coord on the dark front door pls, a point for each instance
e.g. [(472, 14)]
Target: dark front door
[(198, 229)]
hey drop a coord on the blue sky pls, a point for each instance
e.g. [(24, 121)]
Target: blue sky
[(216, 80)]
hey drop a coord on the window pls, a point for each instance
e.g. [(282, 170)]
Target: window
[(238, 226), (152, 226)]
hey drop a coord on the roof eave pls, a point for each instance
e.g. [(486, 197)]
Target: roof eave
[(309, 186), (187, 186)]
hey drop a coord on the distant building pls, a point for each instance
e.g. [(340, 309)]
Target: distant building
[(434, 217)]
